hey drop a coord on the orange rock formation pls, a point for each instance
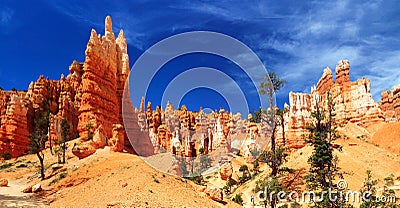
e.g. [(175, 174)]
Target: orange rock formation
[(353, 103), (91, 93)]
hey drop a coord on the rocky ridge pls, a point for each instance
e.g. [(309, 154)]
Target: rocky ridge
[(90, 98), (353, 103)]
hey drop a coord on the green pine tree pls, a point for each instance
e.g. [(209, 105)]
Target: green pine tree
[(39, 137), (323, 163)]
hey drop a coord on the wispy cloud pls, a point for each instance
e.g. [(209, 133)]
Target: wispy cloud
[(295, 40), (6, 15)]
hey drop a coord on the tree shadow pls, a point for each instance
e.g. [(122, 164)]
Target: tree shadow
[(19, 201)]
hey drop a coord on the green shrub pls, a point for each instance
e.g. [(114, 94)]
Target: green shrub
[(22, 165), (54, 181), (5, 166), (155, 179), (199, 180), (63, 175), (238, 199), (6, 155)]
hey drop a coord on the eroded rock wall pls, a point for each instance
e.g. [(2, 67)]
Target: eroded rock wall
[(104, 73), (353, 103), (390, 104), (14, 124)]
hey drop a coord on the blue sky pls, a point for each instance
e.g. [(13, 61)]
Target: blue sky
[(296, 40)]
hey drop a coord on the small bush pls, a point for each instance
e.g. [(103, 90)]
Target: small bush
[(238, 199), (389, 180), (244, 179), (162, 150), (11, 170), (199, 180), (155, 179), (5, 166), (22, 165), (63, 175), (295, 205), (6, 155), (54, 181), (201, 150)]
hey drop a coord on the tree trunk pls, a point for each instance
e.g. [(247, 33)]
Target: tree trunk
[(58, 156), (283, 128), (41, 159), (51, 147), (63, 149), (273, 149)]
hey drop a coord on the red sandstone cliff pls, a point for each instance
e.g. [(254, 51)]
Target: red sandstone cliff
[(14, 126), (92, 92)]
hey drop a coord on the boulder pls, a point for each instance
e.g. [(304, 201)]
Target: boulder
[(226, 172), (117, 141), (214, 193), (99, 137), (36, 188), (27, 190), (82, 150), (57, 166), (3, 182)]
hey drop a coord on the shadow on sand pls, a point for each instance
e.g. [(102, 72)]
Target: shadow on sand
[(19, 201)]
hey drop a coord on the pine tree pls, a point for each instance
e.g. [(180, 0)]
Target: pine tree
[(39, 137), (369, 186), (65, 133), (323, 163), (276, 156)]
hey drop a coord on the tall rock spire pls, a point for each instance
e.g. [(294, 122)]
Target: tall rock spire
[(108, 27), (103, 81)]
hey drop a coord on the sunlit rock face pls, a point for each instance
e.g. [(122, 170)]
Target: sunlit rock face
[(104, 74), (390, 104), (353, 103), (13, 120), (396, 101), (91, 93), (192, 134)]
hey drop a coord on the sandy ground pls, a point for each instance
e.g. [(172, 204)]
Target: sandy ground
[(104, 179), (388, 137), (11, 196), (108, 179), (125, 180)]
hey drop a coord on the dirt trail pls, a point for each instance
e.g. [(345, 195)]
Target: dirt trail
[(11, 196)]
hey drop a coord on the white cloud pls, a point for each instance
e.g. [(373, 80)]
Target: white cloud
[(297, 41), (6, 15)]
